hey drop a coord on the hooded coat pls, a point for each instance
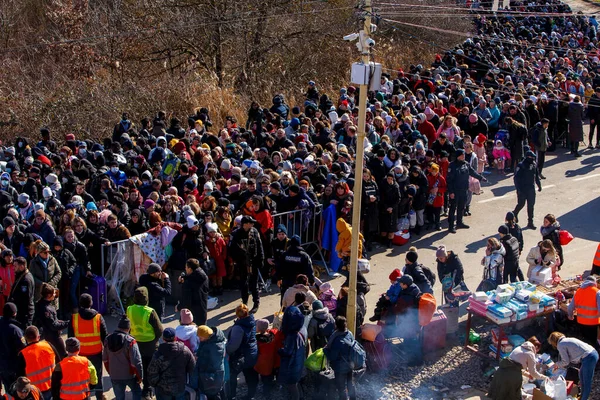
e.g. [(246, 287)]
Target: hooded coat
[(552, 232), (345, 238), (195, 295), (209, 374), (320, 324), (293, 352), (44, 272), (158, 290)]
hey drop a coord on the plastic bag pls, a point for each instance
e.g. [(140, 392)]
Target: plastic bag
[(316, 362), (277, 318), (564, 237), (364, 265), (412, 217), (560, 388), (403, 224)]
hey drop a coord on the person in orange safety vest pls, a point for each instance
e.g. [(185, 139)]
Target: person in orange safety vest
[(89, 327), (596, 262), (74, 375), (586, 303), (37, 361)]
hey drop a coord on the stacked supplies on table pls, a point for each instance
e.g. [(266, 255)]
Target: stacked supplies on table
[(479, 302)]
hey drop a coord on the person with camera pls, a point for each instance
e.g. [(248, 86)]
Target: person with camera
[(247, 251), (195, 291), (159, 287)]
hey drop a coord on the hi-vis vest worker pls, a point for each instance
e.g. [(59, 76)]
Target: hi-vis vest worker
[(73, 376), (586, 303), (596, 262), (141, 329), (23, 386), (40, 361), (88, 333)]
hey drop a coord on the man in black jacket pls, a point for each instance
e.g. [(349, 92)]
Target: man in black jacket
[(23, 292), (526, 178), (246, 250), (594, 114), (415, 271), (195, 291), (295, 261), (11, 344), (511, 258), (159, 287), (459, 172)]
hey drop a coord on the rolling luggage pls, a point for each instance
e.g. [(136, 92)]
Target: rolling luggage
[(96, 287), (378, 353), (433, 335)]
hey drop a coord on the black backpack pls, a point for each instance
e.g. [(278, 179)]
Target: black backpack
[(429, 274)]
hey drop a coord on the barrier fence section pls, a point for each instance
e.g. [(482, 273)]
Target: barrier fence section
[(121, 264)]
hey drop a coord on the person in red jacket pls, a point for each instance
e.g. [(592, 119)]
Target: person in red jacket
[(217, 249), (269, 341), (435, 196), (427, 129)]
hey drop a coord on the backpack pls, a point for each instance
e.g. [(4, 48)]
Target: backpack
[(429, 274), (324, 331), (170, 165), (358, 356), (427, 307)]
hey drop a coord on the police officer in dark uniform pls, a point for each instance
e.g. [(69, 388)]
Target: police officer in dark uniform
[(279, 246), (246, 250), (526, 178), (23, 292), (295, 262), (459, 172), (11, 344)]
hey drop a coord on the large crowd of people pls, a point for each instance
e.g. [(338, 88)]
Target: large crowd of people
[(496, 103)]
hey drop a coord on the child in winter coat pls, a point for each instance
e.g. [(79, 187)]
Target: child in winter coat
[(501, 155), (328, 298), (217, 249), (480, 152), (389, 298), (269, 340), (187, 332)]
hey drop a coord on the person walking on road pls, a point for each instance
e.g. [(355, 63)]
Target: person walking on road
[(526, 178), (37, 361), (195, 291), (459, 172), (123, 361)]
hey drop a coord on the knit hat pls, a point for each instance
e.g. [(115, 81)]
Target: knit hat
[(212, 227), (510, 216), (39, 206), (23, 198), (124, 324), (407, 280), (51, 178), (281, 229), (317, 305), (591, 278), (262, 325), (148, 203), (435, 167), (395, 275), (72, 345), (325, 287), (192, 221), (153, 268), (459, 152), (10, 150), (209, 185), (473, 118), (226, 164), (186, 317), (441, 252), (205, 332), (412, 256), (168, 335), (46, 192), (411, 191), (503, 229), (58, 241), (91, 206)]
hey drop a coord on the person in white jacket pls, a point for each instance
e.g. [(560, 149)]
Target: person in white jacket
[(525, 355), (493, 265)]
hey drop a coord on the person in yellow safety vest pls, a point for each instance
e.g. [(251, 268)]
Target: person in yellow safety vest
[(22, 389), (74, 375), (89, 327), (596, 262), (37, 361), (586, 303), (146, 329)]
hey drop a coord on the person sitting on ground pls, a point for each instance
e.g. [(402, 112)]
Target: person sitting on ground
[(389, 298)]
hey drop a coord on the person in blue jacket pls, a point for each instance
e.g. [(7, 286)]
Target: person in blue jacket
[(243, 351), (337, 350), (117, 176), (293, 352), (209, 375)]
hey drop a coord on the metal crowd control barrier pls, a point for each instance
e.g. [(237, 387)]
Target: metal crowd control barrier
[(307, 228)]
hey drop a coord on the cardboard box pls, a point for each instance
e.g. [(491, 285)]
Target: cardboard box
[(539, 395)]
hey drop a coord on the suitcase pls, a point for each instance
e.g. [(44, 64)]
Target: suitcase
[(451, 314), (96, 287), (378, 353), (433, 335)]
